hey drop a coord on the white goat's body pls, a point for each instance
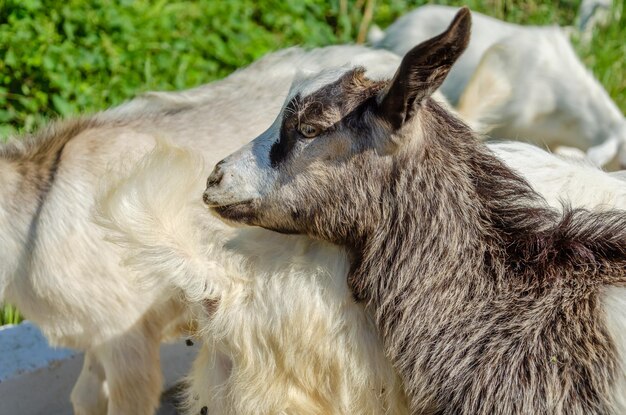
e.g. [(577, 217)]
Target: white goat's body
[(521, 82), (282, 333), (55, 266), (427, 21), (534, 87), (557, 179)]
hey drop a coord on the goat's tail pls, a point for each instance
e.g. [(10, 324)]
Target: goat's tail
[(152, 210)]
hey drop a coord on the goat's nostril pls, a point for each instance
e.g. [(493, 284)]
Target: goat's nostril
[(205, 198), (216, 177)]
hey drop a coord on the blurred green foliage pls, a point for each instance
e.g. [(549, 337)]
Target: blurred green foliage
[(65, 57), (605, 55)]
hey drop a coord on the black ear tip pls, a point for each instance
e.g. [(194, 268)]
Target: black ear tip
[(463, 13), (461, 25), (463, 17)]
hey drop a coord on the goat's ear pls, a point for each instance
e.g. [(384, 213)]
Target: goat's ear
[(423, 70)]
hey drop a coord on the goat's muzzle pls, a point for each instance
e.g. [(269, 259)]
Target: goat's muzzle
[(214, 180), (216, 176)]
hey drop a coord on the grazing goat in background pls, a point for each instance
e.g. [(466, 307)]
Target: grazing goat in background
[(429, 20), (534, 87), (487, 300), (593, 13), (521, 82), (54, 265)]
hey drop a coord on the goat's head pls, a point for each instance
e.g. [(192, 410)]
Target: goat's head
[(322, 159)]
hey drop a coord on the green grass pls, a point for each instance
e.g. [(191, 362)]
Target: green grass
[(61, 58), (9, 315), (605, 55), (72, 56)]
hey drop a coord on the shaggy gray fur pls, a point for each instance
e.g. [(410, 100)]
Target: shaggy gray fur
[(487, 301)]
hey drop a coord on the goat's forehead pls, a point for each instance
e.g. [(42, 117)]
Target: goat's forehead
[(310, 83), (307, 83)]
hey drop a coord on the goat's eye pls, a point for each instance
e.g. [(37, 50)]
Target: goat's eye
[(309, 131)]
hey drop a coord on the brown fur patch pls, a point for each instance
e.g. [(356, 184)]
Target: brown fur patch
[(37, 156)]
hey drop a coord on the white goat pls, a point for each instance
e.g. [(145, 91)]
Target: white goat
[(281, 331), (429, 20), (520, 82), (535, 87), (54, 264), (593, 13)]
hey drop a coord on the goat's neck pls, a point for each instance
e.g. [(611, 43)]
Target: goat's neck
[(434, 226), (464, 257), (458, 226), (451, 210), (431, 233)]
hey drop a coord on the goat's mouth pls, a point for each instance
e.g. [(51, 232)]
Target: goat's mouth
[(239, 212)]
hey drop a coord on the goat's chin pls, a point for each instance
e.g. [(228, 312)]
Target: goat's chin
[(237, 214), (244, 214)]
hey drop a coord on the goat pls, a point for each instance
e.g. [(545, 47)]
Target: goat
[(281, 332), (511, 83), (429, 20), (593, 13), (55, 265), (535, 87), (486, 299), (151, 212)]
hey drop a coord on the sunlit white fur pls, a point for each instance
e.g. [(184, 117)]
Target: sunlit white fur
[(282, 332), (576, 181)]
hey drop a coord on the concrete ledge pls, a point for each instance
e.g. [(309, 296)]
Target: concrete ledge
[(37, 379)]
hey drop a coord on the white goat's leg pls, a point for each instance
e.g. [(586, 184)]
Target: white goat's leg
[(89, 395), (133, 371)]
